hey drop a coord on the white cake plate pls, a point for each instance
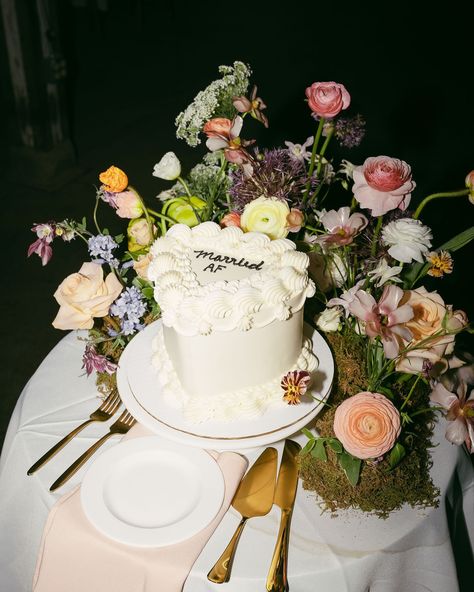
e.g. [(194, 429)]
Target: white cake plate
[(140, 390)]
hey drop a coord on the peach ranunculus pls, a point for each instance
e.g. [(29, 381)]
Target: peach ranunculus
[(327, 99), (114, 179), (219, 127), (230, 219), (367, 425), (295, 220), (433, 327), (382, 184), (84, 296)]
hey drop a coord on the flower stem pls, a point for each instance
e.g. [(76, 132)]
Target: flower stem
[(320, 160), (212, 197), (313, 158), (429, 198), (378, 226), (185, 185), (411, 392), (95, 214), (163, 216), (145, 211)]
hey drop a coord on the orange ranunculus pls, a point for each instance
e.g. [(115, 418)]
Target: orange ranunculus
[(114, 179), (367, 424)]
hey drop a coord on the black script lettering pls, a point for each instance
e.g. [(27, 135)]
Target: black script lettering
[(213, 268)]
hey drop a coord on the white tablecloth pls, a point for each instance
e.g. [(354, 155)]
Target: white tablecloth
[(410, 551)]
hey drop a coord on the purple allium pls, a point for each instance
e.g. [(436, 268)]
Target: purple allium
[(350, 131), (91, 361), (275, 174), (129, 308), (101, 247)]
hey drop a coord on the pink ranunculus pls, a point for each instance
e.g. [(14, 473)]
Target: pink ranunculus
[(367, 425), (295, 220), (128, 205), (230, 219), (342, 227), (327, 99), (385, 319), (382, 184)]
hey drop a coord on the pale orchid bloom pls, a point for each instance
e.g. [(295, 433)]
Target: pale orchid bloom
[(460, 411), (383, 273), (384, 318), (342, 227), (300, 151), (346, 298)]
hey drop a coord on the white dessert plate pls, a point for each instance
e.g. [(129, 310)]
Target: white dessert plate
[(139, 388), (150, 492)]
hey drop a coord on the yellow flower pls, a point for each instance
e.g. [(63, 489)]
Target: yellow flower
[(114, 179), (441, 263), (266, 215)]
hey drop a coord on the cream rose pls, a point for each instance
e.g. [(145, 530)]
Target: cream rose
[(433, 329), (84, 296), (141, 265), (367, 425), (139, 234), (266, 215)]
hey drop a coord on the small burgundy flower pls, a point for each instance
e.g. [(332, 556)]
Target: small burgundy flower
[(91, 361), (42, 246), (295, 384)]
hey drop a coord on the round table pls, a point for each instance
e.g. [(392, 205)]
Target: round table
[(353, 552)]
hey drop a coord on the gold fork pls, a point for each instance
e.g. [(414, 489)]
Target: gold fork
[(103, 413), (121, 426)]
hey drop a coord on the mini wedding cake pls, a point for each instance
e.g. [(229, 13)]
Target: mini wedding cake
[(232, 319)]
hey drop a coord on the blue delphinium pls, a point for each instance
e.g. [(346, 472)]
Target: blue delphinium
[(101, 247), (129, 308)]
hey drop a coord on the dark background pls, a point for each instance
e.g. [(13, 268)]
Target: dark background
[(133, 65)]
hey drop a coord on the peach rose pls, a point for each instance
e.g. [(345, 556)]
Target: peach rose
[(84, 296), (431, 322), (327, 99), (114, 179), (128, 205), (141, 265), (382, 184), (367, 424)]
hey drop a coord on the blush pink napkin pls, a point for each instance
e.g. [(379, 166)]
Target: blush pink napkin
[(75, 557)]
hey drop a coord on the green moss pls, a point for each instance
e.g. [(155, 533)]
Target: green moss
[(379, 490)]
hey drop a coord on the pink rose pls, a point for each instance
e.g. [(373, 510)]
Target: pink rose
[(367, 424), (231, 219), (327, 99), (128, 205), (382, 184), (85, 295)]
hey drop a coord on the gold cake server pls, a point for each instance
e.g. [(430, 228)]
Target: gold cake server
[(285, 494), (254, 497)]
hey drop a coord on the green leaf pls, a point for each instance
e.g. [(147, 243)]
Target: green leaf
[(385, 391), (119, 238), (396, 455), (319, 451), (308, 446), (350, 466), (458, 241), (308, 434), (335, 445), (148, 293)]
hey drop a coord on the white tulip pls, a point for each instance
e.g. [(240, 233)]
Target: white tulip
[(169, 167), (329, 320)]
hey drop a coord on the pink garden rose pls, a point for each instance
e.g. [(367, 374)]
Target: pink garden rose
[(327, 99), (382, 184), (84, 296), (367, 425)]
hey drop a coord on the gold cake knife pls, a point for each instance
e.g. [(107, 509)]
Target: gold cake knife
[(285, 495)]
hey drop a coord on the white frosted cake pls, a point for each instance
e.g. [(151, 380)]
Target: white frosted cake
[(232, 319)]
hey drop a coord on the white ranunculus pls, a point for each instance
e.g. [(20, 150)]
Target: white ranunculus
[(408, 239), (329, 320), (169, 167)]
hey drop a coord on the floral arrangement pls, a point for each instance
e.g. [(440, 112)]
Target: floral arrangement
[(393, 339)]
